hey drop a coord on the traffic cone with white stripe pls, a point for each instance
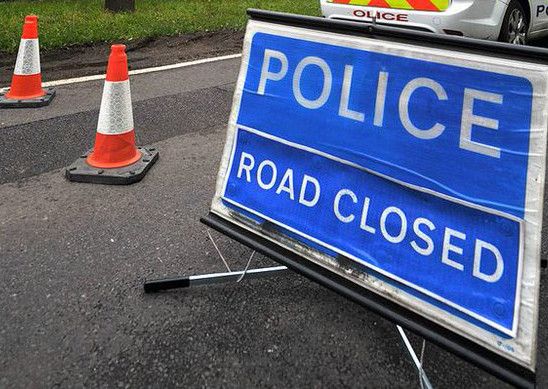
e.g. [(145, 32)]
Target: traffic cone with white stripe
[(26, 84), (114, 159)]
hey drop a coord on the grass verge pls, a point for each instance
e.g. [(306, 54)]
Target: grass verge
[(72, 22)]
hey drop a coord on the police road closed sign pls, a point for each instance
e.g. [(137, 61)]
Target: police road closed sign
[(424, 166)]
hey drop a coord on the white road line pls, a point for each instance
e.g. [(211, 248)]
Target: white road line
[(139, 71)]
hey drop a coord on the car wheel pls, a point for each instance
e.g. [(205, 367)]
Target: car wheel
[(515, 25)]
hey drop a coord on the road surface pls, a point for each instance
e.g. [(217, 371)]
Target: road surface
[(74, 257)]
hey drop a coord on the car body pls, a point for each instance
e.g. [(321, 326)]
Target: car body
[(483, 19)]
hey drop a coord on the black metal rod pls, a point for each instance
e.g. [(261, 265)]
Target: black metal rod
[(165, 284), (208, 279)]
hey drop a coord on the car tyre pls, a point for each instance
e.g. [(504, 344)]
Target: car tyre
[(515, 25)]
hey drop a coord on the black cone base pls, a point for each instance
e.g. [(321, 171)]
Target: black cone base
[(80, 171), (28, 103)]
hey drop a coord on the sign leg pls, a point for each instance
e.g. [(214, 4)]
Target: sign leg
[(212, 278), (424, 381)]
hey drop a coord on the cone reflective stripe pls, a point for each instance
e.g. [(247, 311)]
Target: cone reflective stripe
[(28, 58), (116, 114), (26, 84), (114, 159)]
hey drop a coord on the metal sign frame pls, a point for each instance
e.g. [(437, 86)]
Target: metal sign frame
[(462, 346)]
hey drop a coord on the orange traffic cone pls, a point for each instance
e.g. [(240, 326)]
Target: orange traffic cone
[(115, 159), (26, 84)]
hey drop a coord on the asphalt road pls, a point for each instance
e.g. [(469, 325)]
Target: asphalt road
[(74, 257)]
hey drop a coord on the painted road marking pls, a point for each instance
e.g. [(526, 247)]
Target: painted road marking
[(139, 71)]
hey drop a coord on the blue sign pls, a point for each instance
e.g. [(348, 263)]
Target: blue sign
[(414, 168)]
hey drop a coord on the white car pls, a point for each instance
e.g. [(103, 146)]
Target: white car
[(513, 21)]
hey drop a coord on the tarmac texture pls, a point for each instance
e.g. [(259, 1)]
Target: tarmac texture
[(74, 258)]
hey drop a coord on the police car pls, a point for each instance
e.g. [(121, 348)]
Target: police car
[(512, 21)]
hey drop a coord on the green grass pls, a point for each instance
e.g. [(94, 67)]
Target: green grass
[(71, 22)]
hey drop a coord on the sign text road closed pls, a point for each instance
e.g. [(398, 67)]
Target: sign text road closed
[(443, 249)]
